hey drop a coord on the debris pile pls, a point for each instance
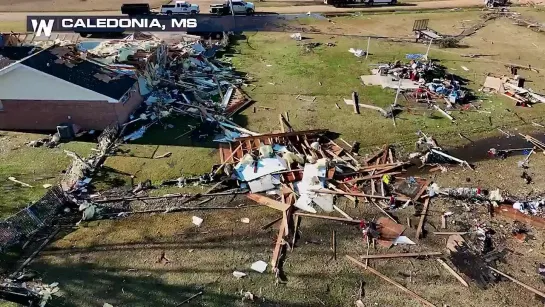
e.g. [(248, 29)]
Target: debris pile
[(513, 89)]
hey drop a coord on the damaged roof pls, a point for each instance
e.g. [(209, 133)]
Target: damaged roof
[(62, 63)]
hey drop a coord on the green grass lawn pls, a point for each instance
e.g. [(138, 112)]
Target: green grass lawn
[(35, 166)]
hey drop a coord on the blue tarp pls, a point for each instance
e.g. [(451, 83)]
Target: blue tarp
[(414, 56)]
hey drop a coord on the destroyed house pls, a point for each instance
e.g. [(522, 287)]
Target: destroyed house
[(42, 88)]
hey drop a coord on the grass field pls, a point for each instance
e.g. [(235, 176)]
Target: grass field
[(35, 166), (116, 261)]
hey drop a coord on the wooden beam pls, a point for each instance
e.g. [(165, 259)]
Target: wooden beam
[(409, 292), (325, 217), (358, 194), (452, 272), (269, 202), (402, 255), (534, 290), (370, 177), (422, 218), (342, 212), (509, 212)]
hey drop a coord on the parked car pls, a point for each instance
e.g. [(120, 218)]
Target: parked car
[(240, 7), (180, 7)]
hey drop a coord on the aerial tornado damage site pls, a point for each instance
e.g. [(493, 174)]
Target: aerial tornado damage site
[(359, 156)]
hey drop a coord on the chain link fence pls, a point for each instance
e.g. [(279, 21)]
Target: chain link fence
[(30, 219)]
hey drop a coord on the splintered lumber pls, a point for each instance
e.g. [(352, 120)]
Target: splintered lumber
[(269, 202), (342, 212), (227, 159), (376, 176), (421, 191), (422, 218), (509, 212), (331, 186), (401, 198), (409, 292), (333, 218), (383, 256), (518, 282), (452, 272)]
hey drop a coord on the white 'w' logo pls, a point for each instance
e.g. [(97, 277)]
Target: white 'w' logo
[(45, 26)]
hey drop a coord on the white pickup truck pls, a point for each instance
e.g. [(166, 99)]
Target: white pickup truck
[(180, 7), (239, 7)]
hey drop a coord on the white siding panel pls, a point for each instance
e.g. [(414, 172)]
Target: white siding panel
[(25, 83)]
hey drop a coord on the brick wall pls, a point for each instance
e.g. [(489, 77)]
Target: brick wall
[(46, 115)]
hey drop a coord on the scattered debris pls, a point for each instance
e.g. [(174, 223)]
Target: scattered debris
[(259, 266)]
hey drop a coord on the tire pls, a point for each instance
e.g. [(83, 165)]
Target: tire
[(169, 13), (370, 3), (393, 2), (193, 13), (249, 12), (85, 35)]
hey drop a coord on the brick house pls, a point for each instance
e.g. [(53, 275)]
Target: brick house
[(40, 90)]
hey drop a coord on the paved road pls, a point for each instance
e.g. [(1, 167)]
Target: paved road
[(420, 5)]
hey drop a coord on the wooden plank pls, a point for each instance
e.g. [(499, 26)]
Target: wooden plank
[(370, 177), (401, 198), (260, 199), (421, 191), (333, 218), (508, 212), (534, 290), (227, 159), (402, 255), (422, 218), (389, 231), (452, 272), (342, 212), (281, 123), (377, 273)]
